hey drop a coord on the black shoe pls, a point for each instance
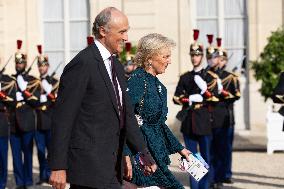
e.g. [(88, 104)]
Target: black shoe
[(21, 187), (216, 185), (42, 182), (228, 181)]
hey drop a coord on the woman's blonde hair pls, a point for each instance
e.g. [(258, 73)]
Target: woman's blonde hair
[(150, 45)]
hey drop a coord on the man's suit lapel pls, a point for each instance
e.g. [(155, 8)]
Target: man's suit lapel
[(105, 76)]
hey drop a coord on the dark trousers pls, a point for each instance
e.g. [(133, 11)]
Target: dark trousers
[(217, 154), (42, 138), (3, 161), (22, 142), (228, 152), (115, 186), (204, 143)]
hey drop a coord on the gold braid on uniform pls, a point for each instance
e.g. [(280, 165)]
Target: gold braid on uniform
[(211, 85), (8, 87), (280, 97), (55, 87), (226, 83), (32, 87), (177, 99)]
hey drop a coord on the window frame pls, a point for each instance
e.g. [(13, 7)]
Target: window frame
[(66, 20)]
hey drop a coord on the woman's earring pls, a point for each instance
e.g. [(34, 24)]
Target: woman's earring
[(149, 64)]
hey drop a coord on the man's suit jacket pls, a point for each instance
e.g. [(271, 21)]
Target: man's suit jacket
[(86, 139)]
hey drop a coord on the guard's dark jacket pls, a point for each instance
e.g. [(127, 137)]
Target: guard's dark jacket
[(197, 121), (22, 116), (44, 111), (278, 92), (230, 84), (7, 102)]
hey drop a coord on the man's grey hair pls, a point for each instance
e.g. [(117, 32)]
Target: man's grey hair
[(102, 19)]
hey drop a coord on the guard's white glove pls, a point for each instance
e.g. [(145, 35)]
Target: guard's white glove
[(194, 98), (202, 85), (22, 83), (19, 96), (219, 85), (43, 98), (0, 87), (46, 86)]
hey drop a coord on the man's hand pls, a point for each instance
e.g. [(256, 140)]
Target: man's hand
[(194, 98), (185, 153), (127, 168), (58, 179)]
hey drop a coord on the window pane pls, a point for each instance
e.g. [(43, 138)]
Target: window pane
[(55, 59), (78, 33), (234, 7), (206, 27), (53, 9), (234, 33), (236, 59), (206, 8), (53, 36), (79, 9)]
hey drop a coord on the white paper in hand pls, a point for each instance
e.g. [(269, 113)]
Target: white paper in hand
[(196, 168)]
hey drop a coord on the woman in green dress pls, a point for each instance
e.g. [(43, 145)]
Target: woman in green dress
[(149, 98)]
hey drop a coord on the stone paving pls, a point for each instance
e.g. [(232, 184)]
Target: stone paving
[(252, 167)]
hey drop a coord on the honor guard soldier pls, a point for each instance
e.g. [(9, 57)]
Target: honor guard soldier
[(195, 117), (219, 115), (90, 40), (48, 92), (278, 94), (23, 120), (129, 66), (229, 94), (7, 87)]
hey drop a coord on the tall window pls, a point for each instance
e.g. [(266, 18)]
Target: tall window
[(65, 28), (226, 19)]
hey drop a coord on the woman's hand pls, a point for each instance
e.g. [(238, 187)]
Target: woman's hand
[(127, 168), (185, 153)]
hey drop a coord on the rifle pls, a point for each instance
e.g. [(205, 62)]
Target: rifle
[(29, 69), (240, 62), (57, 67), (4, 68)]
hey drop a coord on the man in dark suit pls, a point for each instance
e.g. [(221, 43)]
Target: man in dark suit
[(93, 116)]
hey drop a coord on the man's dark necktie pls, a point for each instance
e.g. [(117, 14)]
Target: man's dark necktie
[(116, 91)]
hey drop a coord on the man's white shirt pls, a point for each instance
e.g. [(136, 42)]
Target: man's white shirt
[(106, 55)]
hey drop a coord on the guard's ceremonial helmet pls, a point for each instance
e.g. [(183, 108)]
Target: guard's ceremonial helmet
[(211, 51), (129, 56), (20, 57), (90, 40), (41, 59), (221, 51), (195, 47)]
